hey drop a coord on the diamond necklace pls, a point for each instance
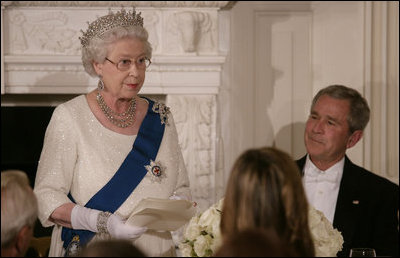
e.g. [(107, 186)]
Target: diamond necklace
[(125, 119)]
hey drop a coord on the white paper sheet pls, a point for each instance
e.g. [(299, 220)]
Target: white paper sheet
[(162, 214)]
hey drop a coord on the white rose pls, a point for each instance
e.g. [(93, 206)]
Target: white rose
[(327, 240), (186, 249), (217, 241), (219, 204), (216, 223), (202, 244), (210, 217), (193, 229)]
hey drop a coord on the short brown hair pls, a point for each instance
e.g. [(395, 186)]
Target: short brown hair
[(359, 114)]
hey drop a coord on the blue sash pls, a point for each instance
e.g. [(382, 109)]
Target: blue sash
[(128, 176)]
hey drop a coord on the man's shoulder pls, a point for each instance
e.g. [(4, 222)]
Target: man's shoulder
[(368, 177)]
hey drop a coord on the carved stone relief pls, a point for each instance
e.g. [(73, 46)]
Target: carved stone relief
[(195, 121), (46, 32), (52, 31), (191, 32), (152, 24)]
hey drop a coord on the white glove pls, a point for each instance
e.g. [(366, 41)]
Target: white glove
[(118, 229), (88, 219)]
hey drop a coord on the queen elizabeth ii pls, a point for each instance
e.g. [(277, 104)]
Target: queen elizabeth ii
[(105, 151)]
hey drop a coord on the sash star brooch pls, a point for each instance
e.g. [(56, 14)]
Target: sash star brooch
[(155, 170)]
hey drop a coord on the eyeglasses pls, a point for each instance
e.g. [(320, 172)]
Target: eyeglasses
[(126, 64)]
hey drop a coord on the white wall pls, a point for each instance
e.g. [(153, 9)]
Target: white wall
[(282, 53), (338, 51)]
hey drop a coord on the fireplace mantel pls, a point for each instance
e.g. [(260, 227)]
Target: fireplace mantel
[(65, 75)]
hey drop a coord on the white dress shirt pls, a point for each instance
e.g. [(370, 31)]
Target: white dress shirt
[(322, 187)]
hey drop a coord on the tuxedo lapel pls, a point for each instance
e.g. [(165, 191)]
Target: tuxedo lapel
[(300, 163), (347, 209)]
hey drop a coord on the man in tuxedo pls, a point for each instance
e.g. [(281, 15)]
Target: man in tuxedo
[(361, 205)]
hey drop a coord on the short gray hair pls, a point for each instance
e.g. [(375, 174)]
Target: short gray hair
[(19, 206), (97, 49), (359, 114)]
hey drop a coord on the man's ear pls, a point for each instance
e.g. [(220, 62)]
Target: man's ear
[(354, 138), (24, 237)]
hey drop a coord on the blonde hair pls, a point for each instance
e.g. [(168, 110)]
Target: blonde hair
[(18, 205), (265, 191)]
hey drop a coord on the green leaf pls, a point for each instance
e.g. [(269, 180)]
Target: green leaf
[(208, 253)]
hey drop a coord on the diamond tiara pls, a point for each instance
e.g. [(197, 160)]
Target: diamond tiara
[(110, 21)]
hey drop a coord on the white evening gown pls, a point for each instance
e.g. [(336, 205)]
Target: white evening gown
[(80, 156)]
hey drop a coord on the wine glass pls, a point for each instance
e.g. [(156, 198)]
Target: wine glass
[(362, 252)]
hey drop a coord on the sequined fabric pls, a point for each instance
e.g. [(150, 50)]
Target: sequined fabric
[(79, 155)]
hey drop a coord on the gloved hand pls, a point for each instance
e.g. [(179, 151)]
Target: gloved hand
[(88, 219), (118, 229)]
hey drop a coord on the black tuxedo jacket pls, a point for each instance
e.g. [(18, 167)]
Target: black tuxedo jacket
[(366, 210)]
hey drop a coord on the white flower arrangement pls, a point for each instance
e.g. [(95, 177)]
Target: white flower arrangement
[(203, 236), (327, 240)]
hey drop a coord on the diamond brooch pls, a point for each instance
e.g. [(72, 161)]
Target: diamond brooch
[(163, 110), (155, 170)]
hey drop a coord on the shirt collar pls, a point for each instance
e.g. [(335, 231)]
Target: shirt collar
[(335, 172)]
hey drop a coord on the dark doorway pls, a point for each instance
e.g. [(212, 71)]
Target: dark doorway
[(22, 134)]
